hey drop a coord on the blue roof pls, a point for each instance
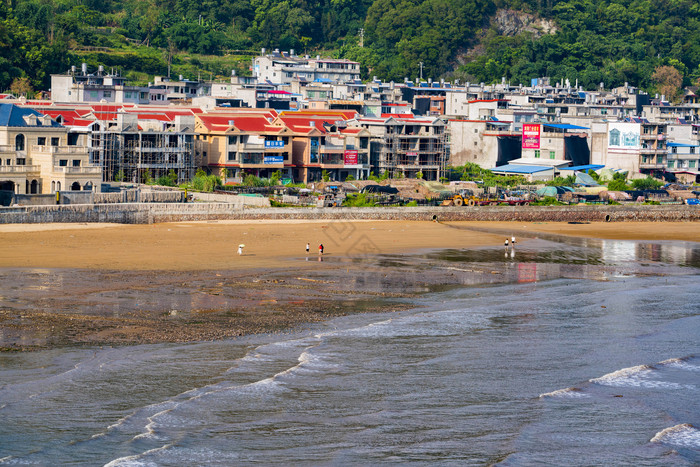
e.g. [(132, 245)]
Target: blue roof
[(680, 145), (584, 167), (521, 169), (565, 126), (12, 115), (323, 80)]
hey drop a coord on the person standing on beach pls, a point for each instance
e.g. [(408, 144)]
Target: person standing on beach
[(320, 249), (506, 244), (512, 241), (240, 249), (307, 247)]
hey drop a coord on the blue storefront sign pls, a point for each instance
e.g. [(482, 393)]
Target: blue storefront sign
[(274, 159), (274, 144)]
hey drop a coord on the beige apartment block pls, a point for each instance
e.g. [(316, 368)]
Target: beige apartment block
[(38, 155)]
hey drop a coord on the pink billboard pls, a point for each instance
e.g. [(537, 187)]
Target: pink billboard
[(531, 135), (351, 156)]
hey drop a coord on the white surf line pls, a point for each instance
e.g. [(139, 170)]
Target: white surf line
[(136, 457)]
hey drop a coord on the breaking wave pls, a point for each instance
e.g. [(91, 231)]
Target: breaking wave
[(684, 435), (573, 393)]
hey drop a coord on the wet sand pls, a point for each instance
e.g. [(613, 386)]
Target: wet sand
[(99, 284)]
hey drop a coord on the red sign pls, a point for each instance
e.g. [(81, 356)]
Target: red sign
[(531, 135), (351, 156)]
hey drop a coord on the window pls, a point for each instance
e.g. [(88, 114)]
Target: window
[(54, 141), (537, 154), (76, 162), (63, 163), (552, 154), (233, 139), (21, 161), (231, 156), (41, 141), (692, 150), (19, 143), (691, 164), (670, 164), (108, 93)]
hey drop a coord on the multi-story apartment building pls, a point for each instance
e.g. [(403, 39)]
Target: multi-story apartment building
[(683, 151), (635, 145), (238, 143), (282, 68), (81, 86), (38, 155), (326, 142)]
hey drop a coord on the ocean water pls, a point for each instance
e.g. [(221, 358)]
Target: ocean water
[(562, 371)]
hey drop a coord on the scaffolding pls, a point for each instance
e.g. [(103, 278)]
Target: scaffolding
[(407, 154), (136, 156)]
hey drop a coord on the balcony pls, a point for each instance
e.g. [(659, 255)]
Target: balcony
[(59, 149), (652, 151), (652, 165), (332, 159), (252, 159), (78, 170), (333, 147), (19, 169)]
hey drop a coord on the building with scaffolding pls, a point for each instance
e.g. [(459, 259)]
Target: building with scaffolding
[(407, 147), (133, 149), (132, 144)]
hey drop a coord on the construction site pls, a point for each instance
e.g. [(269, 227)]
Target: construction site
[(415, 150), (133, 155)]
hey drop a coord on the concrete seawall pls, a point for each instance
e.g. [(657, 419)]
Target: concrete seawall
[(145, 213)]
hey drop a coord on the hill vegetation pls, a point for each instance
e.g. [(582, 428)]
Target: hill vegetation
[(592, 41)]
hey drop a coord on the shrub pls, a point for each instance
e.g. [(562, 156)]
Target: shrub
[(358, 200), (204, 182), (648, 183)]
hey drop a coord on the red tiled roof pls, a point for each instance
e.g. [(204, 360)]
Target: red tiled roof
[(341, 114), (397, 115), (243, 122)]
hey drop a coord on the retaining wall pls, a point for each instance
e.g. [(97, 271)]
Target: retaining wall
[(144, 213), (238, 200)]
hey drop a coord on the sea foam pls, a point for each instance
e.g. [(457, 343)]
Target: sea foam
[(573, 393), (680, 364), (684, 435), (632, 376)]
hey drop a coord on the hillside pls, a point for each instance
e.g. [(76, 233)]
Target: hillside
[(591, 41)]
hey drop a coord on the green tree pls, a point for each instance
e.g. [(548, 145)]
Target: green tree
[(648, 183)]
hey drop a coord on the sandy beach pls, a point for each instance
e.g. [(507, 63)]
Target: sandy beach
[(103, 284), (190, 246)]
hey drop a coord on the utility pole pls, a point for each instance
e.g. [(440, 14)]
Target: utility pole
[(362, 37), (421, 71)]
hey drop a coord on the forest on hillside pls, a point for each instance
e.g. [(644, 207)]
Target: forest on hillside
[(594, 41)]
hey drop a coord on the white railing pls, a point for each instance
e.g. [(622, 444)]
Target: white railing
[(78, 170), (19, 169), (59, 149)]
